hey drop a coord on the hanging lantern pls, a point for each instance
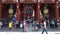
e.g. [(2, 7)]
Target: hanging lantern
[(10, 11), (46, 15), (45, 10)]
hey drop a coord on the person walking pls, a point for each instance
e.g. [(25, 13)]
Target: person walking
[(1, 25), (16, 24), (44, 27), (33, 25), (25, 25)]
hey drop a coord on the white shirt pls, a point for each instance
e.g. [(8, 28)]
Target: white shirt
[(44, 24), (0, 23)]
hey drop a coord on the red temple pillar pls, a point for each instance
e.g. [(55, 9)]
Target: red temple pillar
[(18, 10), (0, 9), (38, 11), (56, 11)]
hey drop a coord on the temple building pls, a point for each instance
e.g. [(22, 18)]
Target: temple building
[(30, 8)]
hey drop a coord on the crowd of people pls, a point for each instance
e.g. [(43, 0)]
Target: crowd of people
[(13, 23)]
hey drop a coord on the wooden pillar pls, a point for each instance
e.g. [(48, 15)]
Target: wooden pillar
[(0, 9), (56, 10), (18, 10), (38, 11)]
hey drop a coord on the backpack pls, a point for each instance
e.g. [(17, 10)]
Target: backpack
[(43, 25)]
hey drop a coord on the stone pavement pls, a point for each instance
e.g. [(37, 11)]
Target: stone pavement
[(29, 30), (28, 33)]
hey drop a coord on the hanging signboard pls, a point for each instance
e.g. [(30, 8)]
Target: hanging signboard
[(28, 1), (21, 0), (41, 0), (49, 1), (4, 1)]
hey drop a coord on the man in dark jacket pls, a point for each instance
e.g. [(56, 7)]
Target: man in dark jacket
[(44, 27)]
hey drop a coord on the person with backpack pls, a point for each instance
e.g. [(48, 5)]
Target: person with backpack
[(36, 26), (44, 27)]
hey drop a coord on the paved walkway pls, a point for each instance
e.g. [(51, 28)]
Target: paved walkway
[(29, 30), (28, 33)]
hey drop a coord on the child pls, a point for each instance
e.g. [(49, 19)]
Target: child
[(10, 25)]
